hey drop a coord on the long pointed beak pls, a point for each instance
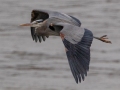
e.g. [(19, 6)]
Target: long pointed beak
[(26, 24)]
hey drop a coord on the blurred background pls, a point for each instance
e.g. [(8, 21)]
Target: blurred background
[(26, 65)]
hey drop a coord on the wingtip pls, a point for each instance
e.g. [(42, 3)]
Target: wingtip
[(43, 37), (39, 38)]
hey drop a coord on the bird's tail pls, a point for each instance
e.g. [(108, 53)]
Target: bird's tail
[(103, 39)]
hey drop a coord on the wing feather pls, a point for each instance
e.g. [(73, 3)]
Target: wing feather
[(32, 32), (77, 20), (79, 55), (38, 14), (45, 14), (39, 37)]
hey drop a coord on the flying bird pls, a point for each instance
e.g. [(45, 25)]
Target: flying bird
[(76, 39)]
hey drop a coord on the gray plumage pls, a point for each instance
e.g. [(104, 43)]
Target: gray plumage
[(72, 33), (46, 14), (77, 40), (79, 55)]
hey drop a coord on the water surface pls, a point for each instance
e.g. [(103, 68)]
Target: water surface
[(26, 65)]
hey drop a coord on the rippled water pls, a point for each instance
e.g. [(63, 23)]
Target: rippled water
[(26, 65)]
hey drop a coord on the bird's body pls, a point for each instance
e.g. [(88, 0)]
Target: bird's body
[(77, 40)]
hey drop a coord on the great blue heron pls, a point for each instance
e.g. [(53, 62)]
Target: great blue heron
[(77, 40)]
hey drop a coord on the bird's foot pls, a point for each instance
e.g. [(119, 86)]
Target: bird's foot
[(103, 39)]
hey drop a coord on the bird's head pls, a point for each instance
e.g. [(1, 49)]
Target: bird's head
[(36, 23)]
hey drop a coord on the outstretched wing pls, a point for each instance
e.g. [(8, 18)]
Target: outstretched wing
[(77, 44), (35, 15), (45, 14)]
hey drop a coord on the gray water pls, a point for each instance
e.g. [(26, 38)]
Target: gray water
[(26, 65)]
